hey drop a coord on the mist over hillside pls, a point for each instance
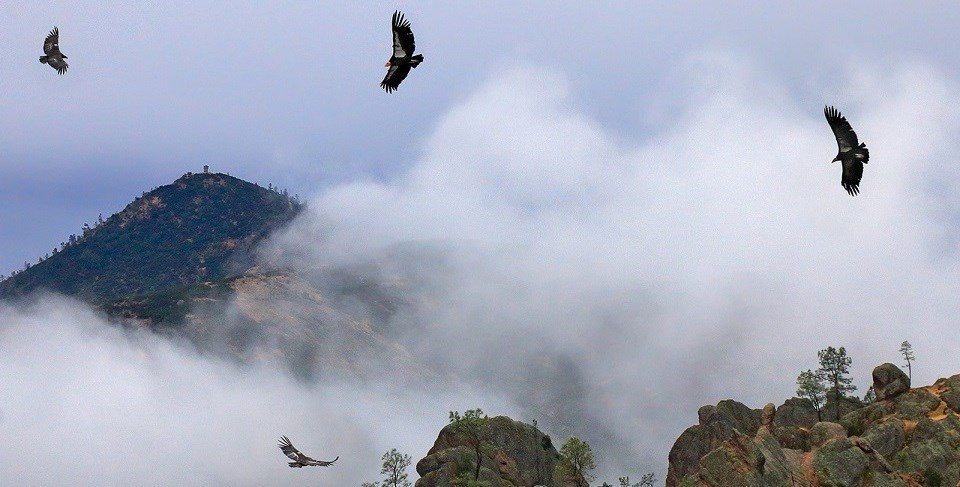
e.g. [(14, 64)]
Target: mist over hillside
[(83, 396)]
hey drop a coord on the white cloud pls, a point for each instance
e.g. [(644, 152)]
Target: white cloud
[(709, 260), (633, 279), (86, 403)]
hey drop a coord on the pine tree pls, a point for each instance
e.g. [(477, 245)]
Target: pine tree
[(834, 370), (907, 351), (395, 468)]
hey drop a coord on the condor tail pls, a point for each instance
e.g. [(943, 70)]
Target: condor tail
[(866, 152), (416, 60), (43, 59)]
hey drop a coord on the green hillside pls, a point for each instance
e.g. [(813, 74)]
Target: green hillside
[(202, 227)]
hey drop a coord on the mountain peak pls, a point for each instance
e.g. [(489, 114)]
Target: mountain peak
[(201, 227)]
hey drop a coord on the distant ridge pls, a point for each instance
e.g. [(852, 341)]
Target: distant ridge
[(202, 227)]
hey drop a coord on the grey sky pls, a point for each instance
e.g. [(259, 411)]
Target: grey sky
[(286, 92), (644, 187)]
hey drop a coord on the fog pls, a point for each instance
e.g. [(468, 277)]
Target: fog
[(608, 285), (636, 281), (84, 402)]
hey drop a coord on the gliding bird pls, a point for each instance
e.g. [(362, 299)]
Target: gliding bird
[(53, 57), (403, 59), (852, 153), (299, 459)]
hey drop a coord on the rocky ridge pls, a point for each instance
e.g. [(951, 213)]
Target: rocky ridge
[(906, 438)]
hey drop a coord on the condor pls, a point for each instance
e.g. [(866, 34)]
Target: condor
[(53, 57), (852, 153), (299, 459), (403, 59)]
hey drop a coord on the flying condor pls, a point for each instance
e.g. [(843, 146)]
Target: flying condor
[(852, 154), (299, 459), (403, 59), (53, 57)]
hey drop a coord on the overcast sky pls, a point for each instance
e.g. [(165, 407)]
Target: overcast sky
[(644, 186), (287, 92)]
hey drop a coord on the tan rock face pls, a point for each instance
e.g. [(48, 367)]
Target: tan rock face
[(767, 416)]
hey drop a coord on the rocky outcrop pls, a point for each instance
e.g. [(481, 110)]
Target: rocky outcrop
[(717, 425), (834, 409), (512, 454), (910, 438), (825, 431), (796, 412), (889, 381)]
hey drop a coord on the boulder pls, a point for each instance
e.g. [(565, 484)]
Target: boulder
[(512, 454), (825, 431), (933, 452), (767, 416), (857, 422), (915, 404), (839, 463), (793, 437), (888, 437), (835, 409), (951, 392), (743, 461), (889, 381), (717, 424), (796, 412), (792, 422)]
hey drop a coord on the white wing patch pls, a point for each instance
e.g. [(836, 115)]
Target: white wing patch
[(397, 48)]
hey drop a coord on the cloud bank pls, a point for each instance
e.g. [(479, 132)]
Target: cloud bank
[(608, 284), (88, 403), (708, 260)]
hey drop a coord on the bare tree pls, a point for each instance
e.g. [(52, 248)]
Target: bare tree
[(907, 351)]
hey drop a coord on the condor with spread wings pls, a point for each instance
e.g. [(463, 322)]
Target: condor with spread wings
[(299, 459), (51, 47), (403, 59), (852, 153)]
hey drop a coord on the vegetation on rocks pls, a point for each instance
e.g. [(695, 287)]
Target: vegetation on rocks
[(906, 438), (578, 460), (394, 470), (512, 454)]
